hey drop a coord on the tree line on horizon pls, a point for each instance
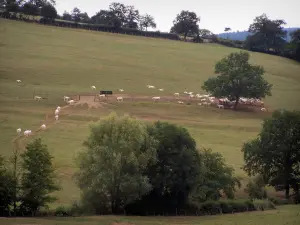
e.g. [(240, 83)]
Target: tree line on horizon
[(266, 35)]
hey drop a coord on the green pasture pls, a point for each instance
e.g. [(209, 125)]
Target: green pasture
[(287, 215), (53, 62)]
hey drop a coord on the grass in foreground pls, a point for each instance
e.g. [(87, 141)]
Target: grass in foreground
[(285, 215)]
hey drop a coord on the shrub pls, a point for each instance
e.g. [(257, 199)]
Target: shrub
[(76, 209), (263, 205), (256, 188), (229, 206), (62, 211), (280, 201)]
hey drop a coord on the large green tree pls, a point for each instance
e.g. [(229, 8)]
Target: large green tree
[(7, 188), (295, 42), (38, 177), (111, 169), (219, 178), (186, 23), (106, 17), (275, 154), (237, 78), (268, 35), (10, 5), (176, 172), (147, 21), (48, 11), (67, 16)]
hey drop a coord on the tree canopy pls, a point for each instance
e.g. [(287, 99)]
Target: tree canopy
[(218, 178), (112, 168), (147, 21), (237, 78), (175, 173), (7, 188), (268, 35), (275, 154), (48, 11), (38, 177), (186, 23)]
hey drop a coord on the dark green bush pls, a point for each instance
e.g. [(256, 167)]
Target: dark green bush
[(231, 206), (263, 205), (280, 201), (62, 211)]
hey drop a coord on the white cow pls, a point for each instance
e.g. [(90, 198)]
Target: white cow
[(150, 86), (56, 112), (176, 94), (121, 90), (191, 95), (58, 108), (19, 131), (93, 87), (37, 98), (156, 98), (263, 109), (27, 133), (56, 117), (161, 89), (180, 102), (221, 106), (43, 126), (119, 99), (19, 81), (66, 98), (102, 96), (71, 102)]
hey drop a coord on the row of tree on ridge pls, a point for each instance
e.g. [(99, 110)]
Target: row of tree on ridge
[(267, 36)]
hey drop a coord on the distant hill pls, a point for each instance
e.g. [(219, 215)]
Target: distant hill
[(242, 35)]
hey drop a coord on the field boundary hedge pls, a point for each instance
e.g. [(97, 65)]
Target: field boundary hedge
[(92, 27)]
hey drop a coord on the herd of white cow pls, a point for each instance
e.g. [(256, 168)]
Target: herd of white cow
[(205, 100)]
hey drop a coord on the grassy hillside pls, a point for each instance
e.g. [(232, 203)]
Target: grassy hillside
[(53, 62), (287, 215)]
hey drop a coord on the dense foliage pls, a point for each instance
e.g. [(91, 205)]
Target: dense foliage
[(118, 152), (128, 166), (275, 154), (38, 178), (237, 78), (27, 180)]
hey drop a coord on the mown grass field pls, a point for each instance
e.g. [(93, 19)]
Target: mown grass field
[(54, 62), (287, 215)]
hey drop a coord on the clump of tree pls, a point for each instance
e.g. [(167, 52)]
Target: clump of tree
[(7, 188), (218, 178), (26, 183), (140, 168), (146, 21), (125, 16), (275, 154), (118, 152), (78, 16), (268, 35), (237, 78), (292, 49), (48, 11), (256, 188), (186, 23)]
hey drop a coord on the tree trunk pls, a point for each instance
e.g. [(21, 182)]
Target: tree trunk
[(185, 36), (236, 103), (287, 191)]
